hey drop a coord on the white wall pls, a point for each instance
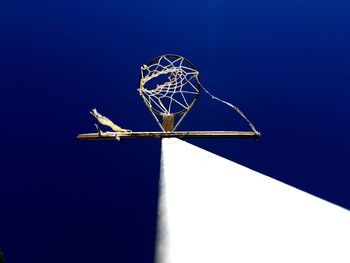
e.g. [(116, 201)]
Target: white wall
[(214, 210)]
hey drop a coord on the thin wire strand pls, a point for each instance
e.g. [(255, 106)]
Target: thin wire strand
[(233, 107)]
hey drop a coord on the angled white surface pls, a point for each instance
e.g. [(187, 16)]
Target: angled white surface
[(214, 210)]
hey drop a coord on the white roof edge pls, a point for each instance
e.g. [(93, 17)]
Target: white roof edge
[(214, 210)]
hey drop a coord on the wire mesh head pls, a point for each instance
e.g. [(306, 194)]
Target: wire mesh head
[(169, 85)]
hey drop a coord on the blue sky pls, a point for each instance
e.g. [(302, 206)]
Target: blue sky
[(285, 64)]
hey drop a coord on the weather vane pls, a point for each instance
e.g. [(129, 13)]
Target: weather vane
[(169, 87)]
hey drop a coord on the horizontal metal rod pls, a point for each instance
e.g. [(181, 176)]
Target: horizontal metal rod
[(178, 134)]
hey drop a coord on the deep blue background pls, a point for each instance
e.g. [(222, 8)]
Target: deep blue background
[(285, 63)]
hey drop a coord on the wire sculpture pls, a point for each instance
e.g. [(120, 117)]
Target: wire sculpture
[(170, 86)]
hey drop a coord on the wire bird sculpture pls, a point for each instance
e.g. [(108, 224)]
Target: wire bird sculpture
[(169, 86), (178, 92)]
